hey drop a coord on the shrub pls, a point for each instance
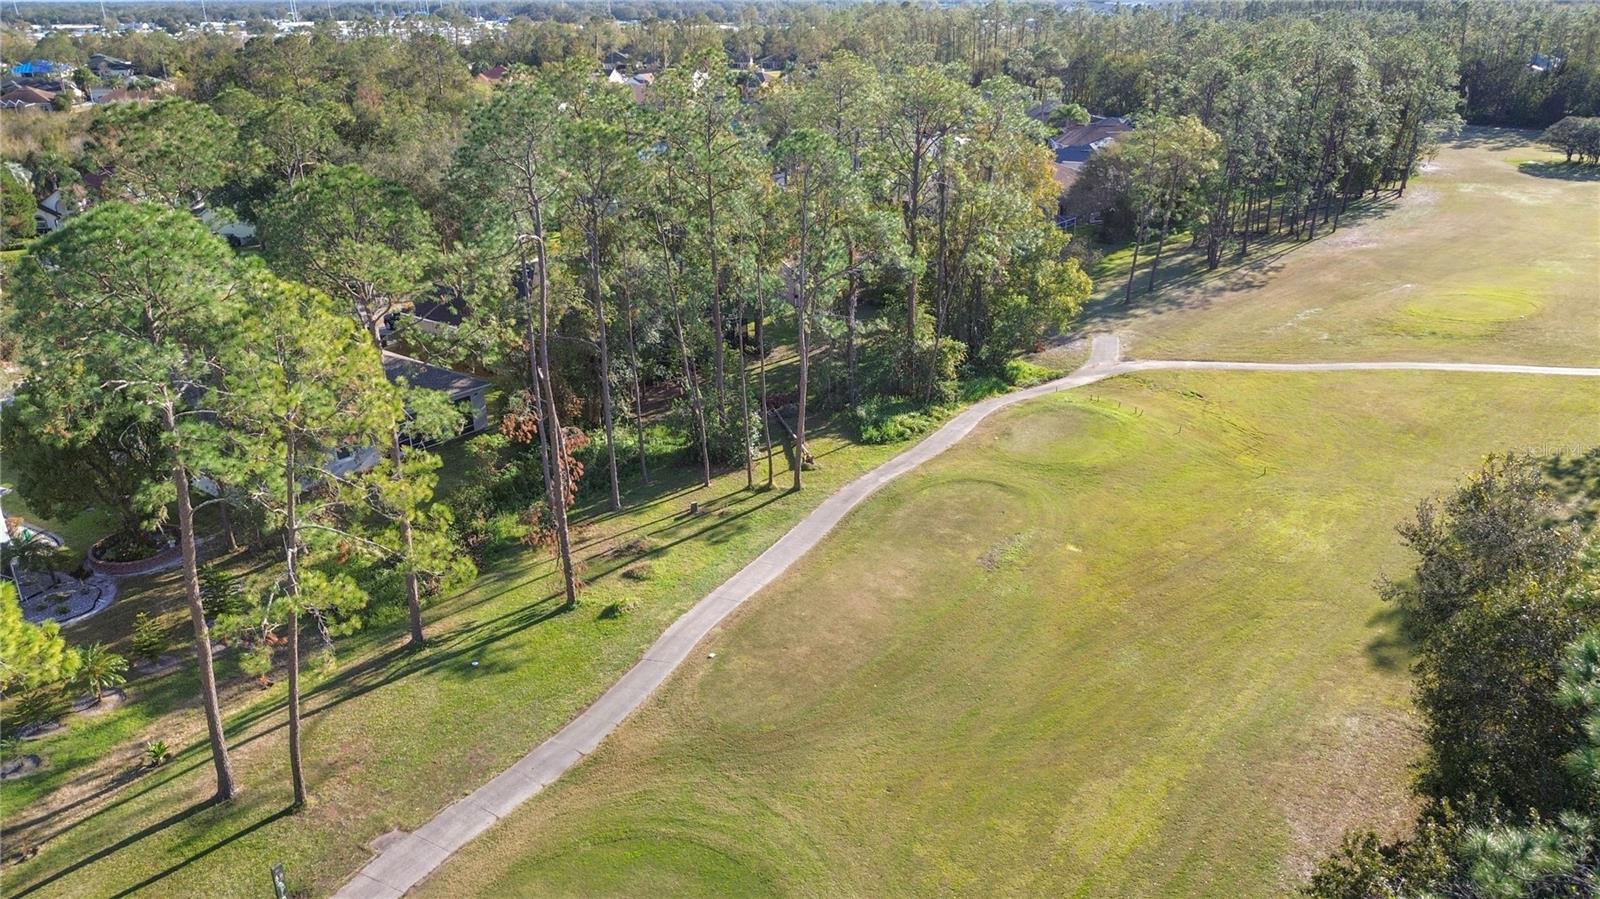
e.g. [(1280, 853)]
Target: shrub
[(882, 420), (1025, 374), (156, 753), (725, 443), (100, 669), (38, 707), (539, 525), (130, 547), (220, 593), (149, 639), (257, 663)]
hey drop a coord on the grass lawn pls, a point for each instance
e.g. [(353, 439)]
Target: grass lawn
[(1122, 641), (391, 736), (80, 531), (1490, 257), (1123, 637)]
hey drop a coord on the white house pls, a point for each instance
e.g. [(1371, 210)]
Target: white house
[(237, 233), (51, 212)]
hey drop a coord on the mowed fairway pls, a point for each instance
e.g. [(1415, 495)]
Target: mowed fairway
[(1120, 641), (1492, 256)]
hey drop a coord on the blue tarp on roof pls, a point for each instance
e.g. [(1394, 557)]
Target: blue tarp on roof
[(39, 67)]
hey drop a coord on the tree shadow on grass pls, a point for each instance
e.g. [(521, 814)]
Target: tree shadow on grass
[(443, 651), (1565, 171), (1577, 482), (122, 780), (1492, 137), (1394, 645), (133, 838), (1185, 281), (446, 651), (174, 868)]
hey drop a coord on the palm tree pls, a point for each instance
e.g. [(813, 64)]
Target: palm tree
[(31, 551), (100, 669)]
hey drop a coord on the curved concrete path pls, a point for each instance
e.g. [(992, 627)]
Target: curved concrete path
[(404, 862)]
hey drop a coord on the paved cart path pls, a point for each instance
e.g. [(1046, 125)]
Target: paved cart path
[(404, 862)]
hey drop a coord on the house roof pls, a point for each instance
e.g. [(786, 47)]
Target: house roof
[(445, 310), (493, 74), (1065, 175), (28, 95), (1099, 128), (39, 67), (430, 377), (1042, 110)]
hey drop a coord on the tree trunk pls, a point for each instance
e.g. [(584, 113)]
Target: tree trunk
[(1138, 234), (1411, 162), (396, 456), (692, 387), (801, 307), (227, 524), (552, 419), (638, 390), (716, 293), (291, 553), (413, 586), (854, 289), (943, 295), (535, 393), (913, 239), (226, 788), (1161, 239), (296, 766), (761, 355), (800, 402), (605, 361), (744, 405)]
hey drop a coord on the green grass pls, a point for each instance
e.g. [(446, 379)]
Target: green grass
[(1107, 643), (1490, 257), (391, 736), (80, 531), (1122, 641)]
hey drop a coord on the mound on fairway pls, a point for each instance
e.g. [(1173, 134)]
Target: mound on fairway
[(1121, 641), (1472, 307)]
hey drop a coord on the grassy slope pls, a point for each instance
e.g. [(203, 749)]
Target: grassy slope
[(395, 736), (1119, 642), (391, 736), (910, 721), (1491, 257)]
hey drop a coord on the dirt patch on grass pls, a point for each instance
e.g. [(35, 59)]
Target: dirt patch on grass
[(21, 766), (628, 549), (1006, 552), (89, 705), (1345, 766)]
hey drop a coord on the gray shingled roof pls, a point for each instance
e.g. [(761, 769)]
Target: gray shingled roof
[(430, 377)]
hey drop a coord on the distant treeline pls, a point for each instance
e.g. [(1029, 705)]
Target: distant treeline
[(1523, 64)]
